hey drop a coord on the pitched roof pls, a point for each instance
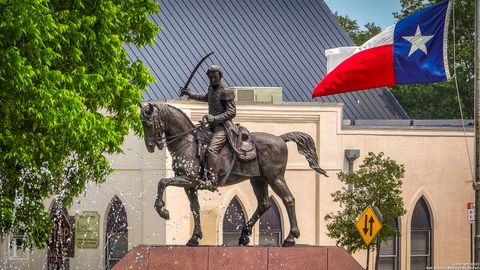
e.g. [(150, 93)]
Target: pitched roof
[(257, 43)]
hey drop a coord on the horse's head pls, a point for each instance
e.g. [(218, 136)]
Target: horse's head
[(153, 127)]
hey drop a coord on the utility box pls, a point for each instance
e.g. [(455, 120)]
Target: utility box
[(258, 94)]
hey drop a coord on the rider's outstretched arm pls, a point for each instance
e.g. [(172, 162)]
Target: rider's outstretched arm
[(198, 97)]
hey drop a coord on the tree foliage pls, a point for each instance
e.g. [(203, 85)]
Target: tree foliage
[(357, 34), (439, 100), (378, 183), (69, 95)]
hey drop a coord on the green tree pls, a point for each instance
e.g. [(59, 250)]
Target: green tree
[(439, 100), (68, 95), (357, 34), (377, 183)]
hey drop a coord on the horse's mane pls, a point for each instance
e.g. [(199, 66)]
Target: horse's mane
[(168, 107)]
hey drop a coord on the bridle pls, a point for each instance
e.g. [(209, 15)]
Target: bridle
[(159, 128)]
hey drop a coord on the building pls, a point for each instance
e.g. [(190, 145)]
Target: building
[(436, 190), (260, 44), (267, 48)]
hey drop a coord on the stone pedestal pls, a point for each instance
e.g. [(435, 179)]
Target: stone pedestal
[(230, 258)]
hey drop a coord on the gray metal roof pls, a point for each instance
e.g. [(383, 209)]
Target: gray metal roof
[(257, 43), (424, 124)]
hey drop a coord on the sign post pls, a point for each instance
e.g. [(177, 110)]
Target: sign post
[(368, 226)]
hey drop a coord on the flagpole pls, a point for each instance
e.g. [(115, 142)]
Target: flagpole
[(477, 136)]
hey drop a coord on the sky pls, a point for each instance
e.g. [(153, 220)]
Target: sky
[(364, 11)]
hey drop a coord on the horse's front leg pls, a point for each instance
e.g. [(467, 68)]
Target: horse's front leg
[(162, 184), (195, 208)]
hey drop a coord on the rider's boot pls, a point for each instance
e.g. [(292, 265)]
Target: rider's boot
[(212, 173)]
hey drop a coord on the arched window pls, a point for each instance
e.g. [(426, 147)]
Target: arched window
[(389, 257), (421, 237), (271, 226), (116, 235), (232, 223), (60, 245)]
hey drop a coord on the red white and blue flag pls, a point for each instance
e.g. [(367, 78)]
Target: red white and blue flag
[(414, 50)]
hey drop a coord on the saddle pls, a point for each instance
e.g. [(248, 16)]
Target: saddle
[(244, 151), (245, 146)]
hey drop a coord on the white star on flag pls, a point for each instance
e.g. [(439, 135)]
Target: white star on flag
[(418, 41)]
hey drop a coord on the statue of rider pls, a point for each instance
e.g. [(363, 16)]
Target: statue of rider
[(221, 111)]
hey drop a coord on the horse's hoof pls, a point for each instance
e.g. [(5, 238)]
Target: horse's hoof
[(163, 212), (294, 233), (288, 243), (192, 243), (243, 241)]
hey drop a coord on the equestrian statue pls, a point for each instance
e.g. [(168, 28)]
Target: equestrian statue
[(217, 153)]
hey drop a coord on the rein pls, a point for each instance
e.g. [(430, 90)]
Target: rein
[(171, 139)]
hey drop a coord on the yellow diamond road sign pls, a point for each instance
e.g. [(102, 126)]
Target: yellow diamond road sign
[(368, 225)]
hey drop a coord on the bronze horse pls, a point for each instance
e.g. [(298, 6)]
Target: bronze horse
[(165, 124)]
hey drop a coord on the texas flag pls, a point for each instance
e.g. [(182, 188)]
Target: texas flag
[(414, 50)]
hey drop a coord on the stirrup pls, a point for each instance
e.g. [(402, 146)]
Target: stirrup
[(208, 184)]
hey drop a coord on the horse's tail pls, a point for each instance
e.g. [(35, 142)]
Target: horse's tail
[(306, 147)]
